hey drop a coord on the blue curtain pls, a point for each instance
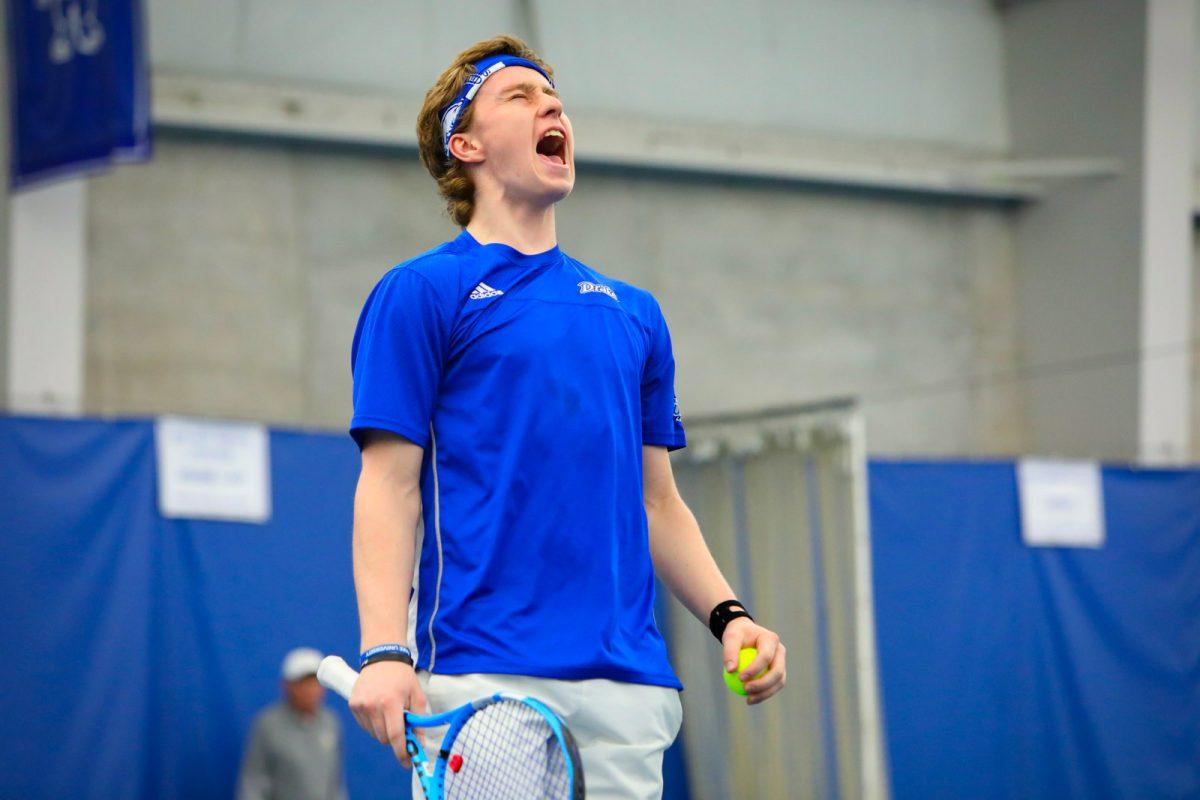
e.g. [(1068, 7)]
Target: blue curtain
[(1016, 672), (139, 648)]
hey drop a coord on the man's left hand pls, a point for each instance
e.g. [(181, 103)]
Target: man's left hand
[(772, 656)]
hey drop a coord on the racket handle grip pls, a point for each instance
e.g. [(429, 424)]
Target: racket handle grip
[(336, 675)]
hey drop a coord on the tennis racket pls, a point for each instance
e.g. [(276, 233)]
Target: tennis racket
[(498, 747)]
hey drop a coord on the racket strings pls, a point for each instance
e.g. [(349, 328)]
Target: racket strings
[(508, 751)]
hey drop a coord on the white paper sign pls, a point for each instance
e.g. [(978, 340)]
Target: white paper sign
[(213, 470), (1062, 503)]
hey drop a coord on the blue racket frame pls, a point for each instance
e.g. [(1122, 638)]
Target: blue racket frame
[(434, 783)]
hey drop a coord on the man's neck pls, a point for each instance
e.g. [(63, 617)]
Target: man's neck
[(524, 228)]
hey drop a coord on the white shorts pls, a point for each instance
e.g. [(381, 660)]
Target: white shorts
[(621, 729)]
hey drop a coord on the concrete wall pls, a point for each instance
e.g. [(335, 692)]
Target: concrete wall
[(1196, 73), (1195, 342), (927, 70), (226, 278), (1075, 84), (1194, 347)]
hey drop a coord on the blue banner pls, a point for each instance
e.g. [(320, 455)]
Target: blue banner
[(79, 86), (1036, 672)]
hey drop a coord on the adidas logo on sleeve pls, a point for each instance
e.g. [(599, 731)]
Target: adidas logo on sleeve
[(483, 290)]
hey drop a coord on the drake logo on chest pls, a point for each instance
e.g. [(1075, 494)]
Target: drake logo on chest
[(588, 286)]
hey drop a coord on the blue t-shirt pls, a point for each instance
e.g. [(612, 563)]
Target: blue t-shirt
[(532, 382)]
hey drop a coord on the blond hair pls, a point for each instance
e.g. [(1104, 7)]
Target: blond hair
[(453, 182)]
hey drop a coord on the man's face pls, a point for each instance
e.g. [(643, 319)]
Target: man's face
[(524, 139), (304, 695)]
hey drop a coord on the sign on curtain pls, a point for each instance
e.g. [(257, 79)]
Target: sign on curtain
[(210, 469), (1062, 503), (79, 86)]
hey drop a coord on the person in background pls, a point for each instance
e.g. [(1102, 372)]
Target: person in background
[(295, 749)]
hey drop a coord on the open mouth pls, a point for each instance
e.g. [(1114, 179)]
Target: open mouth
[(552, 147)]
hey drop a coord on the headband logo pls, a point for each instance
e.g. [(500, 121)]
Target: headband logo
[(451, 113), (449, 118)]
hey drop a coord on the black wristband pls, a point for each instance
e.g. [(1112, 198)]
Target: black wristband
[(377, 657), (725, 613)]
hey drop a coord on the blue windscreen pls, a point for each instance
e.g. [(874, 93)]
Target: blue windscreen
[(1017, 672)]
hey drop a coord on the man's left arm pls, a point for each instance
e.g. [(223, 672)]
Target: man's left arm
[(683, 562)]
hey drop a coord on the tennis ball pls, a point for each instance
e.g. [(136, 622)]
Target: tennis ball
[(732, 680)]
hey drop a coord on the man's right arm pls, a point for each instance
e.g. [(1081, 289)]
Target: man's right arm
[(387, 506)]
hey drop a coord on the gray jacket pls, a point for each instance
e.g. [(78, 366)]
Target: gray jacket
[(290, 757)]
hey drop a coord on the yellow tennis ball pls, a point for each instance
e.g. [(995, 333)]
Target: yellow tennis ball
[(732, 679)]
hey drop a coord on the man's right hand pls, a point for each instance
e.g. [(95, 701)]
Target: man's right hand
[(383, 692)]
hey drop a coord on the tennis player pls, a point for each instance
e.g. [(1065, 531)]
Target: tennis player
[(524, 403)]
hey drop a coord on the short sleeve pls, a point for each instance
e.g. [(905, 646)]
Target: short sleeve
[(397, 355), (662, 423)]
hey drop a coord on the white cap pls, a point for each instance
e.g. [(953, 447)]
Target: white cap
[(300, 663)]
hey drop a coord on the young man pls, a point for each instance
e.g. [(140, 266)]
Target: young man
[(526, 403)]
